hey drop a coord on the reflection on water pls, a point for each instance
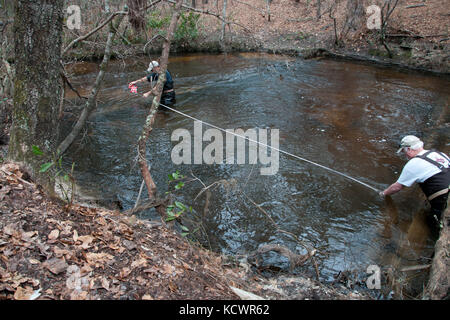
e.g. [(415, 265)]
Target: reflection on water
[(346, 116)]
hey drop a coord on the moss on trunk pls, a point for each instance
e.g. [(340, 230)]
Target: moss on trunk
[(37, 36)]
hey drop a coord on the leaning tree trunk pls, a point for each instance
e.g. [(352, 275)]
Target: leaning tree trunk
[(151, 187), (38, 27), (439, 281), (92, 100)]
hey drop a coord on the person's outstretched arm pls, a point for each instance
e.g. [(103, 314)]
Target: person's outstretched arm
[(393, 188), (137, 81)]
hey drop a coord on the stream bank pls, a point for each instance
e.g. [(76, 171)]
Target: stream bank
[(433, 60), (52, 251), (245, 44), (116, 97)]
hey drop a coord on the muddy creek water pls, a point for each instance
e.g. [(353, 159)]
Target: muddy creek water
[(346, 116)]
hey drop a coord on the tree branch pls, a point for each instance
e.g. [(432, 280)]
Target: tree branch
[(66, 80), (218, 16), (93, 31), (91, 103), (149, 6)]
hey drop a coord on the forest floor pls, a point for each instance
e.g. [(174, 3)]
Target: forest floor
[(416, 35), (52, 251)]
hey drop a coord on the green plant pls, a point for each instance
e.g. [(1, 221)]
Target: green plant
[(176, 176), (157, 21), (187, 29), (176, 210), (191, 223), (66, 176)]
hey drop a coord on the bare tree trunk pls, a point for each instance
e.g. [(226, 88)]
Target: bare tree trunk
[(331, 15), (390, 6), (224, 24), (439, 280), (336, 42), (151, 187), (135, 17), (107, 7), (92, 100), (319, 4), (9, 83), (38, 27)]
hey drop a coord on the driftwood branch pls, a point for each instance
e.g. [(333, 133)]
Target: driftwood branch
[(17, 177), (139, 195)]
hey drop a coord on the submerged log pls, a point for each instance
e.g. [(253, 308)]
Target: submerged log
[(155, 202), (295, 260)]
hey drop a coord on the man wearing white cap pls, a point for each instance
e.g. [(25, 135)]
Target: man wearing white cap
[(168, 94), (429, 168)]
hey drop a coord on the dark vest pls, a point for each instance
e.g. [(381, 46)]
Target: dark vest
[(440, 180), (168, 85)]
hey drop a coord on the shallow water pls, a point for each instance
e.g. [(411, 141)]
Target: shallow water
[(346, 116)]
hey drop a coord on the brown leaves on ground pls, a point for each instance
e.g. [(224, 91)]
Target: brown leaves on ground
[(51, 252), (304, 18)]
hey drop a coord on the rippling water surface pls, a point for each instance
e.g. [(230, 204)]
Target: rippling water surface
[(346, 116)]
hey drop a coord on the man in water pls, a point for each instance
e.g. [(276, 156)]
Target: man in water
[(168, 94), (430, 169)]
